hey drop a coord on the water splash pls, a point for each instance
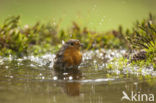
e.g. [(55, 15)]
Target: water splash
[(94, 66)]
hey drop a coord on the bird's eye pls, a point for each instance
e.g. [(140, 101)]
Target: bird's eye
[(72, 44)]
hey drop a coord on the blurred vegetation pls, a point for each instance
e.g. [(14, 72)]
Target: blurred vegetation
[(42, 38), (18, 40), (143, 35), (143, 40)]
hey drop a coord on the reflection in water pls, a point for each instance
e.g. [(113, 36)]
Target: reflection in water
[(28, 82), (70, 87), (13, 90)]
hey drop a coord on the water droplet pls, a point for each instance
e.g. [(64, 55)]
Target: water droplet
[(55, 78), (43, 77), (11, 76), (70, 78)]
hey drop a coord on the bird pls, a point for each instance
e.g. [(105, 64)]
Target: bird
[(69, 56)]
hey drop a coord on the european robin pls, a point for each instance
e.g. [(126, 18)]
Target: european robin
[(69, 56)]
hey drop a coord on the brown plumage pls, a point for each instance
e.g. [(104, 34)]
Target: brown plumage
[(69, 56)]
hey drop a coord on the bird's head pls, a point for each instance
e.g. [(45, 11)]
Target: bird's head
[(73, 43)]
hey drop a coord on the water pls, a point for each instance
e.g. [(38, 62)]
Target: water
[(32, 80)]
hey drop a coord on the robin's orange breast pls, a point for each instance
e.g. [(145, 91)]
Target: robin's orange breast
[(72, 56)]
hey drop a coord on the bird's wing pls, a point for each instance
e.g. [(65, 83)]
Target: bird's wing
[(59, 56)]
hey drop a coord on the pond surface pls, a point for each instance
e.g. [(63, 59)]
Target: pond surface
[(32, 80)]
